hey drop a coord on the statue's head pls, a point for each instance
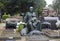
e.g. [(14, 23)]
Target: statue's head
[(31, 9)]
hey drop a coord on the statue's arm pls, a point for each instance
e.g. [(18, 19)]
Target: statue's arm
[(25, 18), (32, 28)]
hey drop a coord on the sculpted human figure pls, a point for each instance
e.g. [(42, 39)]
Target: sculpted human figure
[(32, 22), (29, 15)]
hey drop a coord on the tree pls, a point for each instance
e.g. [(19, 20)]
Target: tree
[(56, 5), (10, 6), (22, 5), (37, 4), (1, 8)]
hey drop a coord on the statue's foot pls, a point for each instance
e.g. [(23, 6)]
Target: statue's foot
[(24, 32)]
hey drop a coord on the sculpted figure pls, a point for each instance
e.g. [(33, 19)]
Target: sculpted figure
[(29, 15)]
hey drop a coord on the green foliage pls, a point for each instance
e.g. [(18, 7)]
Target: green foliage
[(14, 6), (56, 5), (20, 27), (40, 4), (59, 27), (5, 16), (1, 5)]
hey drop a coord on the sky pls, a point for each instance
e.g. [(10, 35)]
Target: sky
[(49, 1)]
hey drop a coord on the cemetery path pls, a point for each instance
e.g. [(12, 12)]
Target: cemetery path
[(2, 25), (10, 33)]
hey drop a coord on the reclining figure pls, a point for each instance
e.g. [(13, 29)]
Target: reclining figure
[(33, 27)]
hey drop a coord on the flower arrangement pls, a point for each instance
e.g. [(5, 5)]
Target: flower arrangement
[(20, 27), (58, 24)]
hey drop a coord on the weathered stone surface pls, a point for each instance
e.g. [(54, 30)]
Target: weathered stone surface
[(53, 33), (37, 38), (10, 33)]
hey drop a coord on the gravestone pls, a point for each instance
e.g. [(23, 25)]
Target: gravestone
[(53, 21), (11, 23)]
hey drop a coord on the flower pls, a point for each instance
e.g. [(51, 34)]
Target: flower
[(58, 24)]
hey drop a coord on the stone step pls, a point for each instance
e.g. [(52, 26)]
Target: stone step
[(37, 38)]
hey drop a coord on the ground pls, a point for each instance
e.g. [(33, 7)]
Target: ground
[(10, 33)]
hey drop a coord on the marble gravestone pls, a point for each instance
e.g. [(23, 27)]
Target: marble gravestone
[(53, 21), (11, 23)]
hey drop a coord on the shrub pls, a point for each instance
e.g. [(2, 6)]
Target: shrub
[(5, 16)]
